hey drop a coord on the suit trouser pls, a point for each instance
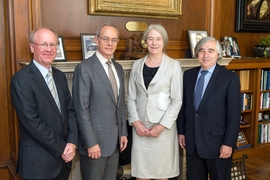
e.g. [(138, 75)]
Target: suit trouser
[(64, 174), (104, 168), (199, 168)]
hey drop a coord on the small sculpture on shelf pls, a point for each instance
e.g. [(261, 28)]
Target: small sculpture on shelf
[(136, 48), (242, 122)]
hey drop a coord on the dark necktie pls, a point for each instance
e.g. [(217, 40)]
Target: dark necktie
[(113, 80), (199, 90), (50, 83)]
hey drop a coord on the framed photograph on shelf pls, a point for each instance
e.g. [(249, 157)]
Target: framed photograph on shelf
[(194, 37), (60, 51), (252, 15), (230, 47), (89, 45), (241, 140)]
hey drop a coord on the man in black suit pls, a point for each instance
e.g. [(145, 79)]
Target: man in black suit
[(41, 98), (209, 131)]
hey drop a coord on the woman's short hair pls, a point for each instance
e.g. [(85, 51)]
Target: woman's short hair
[(159, 28), (205, 40)]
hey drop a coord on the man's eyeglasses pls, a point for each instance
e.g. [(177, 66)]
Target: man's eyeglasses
[(107, 39), (45, 45)]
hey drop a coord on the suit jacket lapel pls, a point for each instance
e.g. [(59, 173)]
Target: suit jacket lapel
[(161, 70), (139, 72), (193, 79), (158, 75), (97, 66), (120, 76), (59, 86), (38, 78), (212, 84)]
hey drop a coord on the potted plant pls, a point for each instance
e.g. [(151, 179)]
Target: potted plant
[(263, 49)]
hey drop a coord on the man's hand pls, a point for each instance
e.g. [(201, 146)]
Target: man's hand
[(123, 143), (94, 152), (69, 152), (225, 151), (181, 140)]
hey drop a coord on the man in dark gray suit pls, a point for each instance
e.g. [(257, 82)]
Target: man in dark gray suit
[(41, 98), (209, 121), (100, 108)]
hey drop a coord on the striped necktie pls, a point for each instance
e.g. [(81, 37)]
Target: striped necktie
[(50, 83)]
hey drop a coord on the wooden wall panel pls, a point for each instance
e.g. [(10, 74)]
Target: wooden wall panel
[(4, 128), (20, 26), (6, 137), (4, 173), (72, 19)]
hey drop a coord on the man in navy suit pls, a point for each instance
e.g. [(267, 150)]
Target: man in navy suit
[(100, 108), (48, 128), (209, 132)]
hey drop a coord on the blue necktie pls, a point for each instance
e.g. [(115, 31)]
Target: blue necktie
[(199, 90)]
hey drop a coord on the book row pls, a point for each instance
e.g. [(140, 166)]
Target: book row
[(264, 133), (265, 80), (265, 100), (246, 101)]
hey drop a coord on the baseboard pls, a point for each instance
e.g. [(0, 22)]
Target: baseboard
[(12, 171)]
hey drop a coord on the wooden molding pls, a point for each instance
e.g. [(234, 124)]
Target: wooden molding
[(127, 64), (213, 20), (35, 14), (11, 169)]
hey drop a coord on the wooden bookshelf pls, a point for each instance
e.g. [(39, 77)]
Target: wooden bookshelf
[(251, 72), (244, 79)]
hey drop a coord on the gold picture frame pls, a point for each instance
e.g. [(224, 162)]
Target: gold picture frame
[(167, 9)]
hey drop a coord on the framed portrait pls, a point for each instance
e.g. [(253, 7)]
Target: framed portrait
[(89, 45), (241, 140), (167, 9), (230, 47), (253, 15), (60, 51), (194, 37)]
